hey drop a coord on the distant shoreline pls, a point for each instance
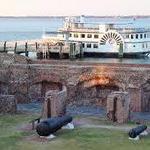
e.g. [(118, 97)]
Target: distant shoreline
[(132, 16)]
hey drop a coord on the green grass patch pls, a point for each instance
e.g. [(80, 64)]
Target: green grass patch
[(12, 138)]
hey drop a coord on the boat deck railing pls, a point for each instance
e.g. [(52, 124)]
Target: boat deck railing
[(120, 29), (132, 29), (80, 30)]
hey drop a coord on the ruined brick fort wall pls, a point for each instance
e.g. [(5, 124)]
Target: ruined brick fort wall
[(86, 83)]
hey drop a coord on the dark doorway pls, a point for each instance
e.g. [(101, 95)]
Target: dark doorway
[(114, 117), (48, 108)]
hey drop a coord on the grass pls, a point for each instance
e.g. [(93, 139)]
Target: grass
[(103, 121), (12, 138)]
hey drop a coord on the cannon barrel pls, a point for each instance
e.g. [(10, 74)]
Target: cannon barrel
[(51, 125), (133, 133)]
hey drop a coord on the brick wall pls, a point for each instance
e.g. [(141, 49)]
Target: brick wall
[(118, 107), (55, 103), (7, 104), (22, 78)]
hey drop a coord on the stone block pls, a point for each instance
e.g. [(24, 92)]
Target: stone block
[(118, 107), (7, 104)]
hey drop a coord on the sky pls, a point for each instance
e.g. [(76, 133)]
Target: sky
[(73, 7)]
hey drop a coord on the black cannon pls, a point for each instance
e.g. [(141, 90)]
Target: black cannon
[(133, 133), (51, 125)]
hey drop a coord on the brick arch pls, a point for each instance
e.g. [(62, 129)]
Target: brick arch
[(93, 90), (95, 80), (42, 83), (46, 77)]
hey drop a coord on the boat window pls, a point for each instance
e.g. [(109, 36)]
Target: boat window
[(144, 35), (133, 45), (102, 43), (82, 35), (143, 45), (141, 36), (83, 45), (127, 36), (88, 45), (95, 45), (137, 36), (96, 36), (70, 35), (76, 35), (89, 36), (146, 45), (131, 36)]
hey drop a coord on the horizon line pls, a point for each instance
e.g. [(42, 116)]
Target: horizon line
[(34, 16)]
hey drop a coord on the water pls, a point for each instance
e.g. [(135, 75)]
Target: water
[(33, 28), (27, 28), (117, 60)]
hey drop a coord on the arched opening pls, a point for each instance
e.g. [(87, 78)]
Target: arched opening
[(94, 91), (90, 96)]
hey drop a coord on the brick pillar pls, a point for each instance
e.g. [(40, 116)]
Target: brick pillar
[(135, 97), (118, 107), (55, 103)]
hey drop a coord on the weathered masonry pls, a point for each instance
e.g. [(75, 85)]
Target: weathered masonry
[(85, 83)]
